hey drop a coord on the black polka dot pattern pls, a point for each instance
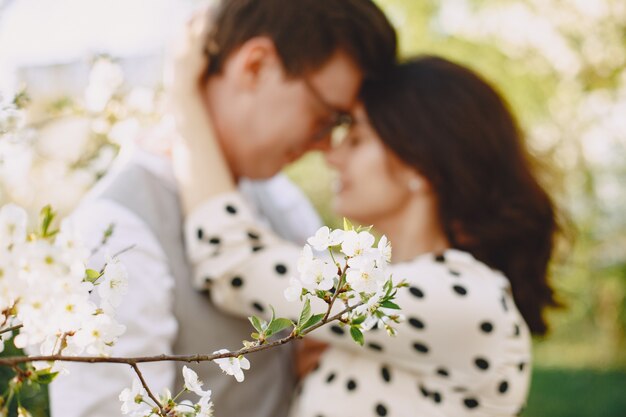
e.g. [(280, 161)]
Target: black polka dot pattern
[(281, 269), (420, 347), (486, 327), (503, 387), (337, 330), (470, 403), (375, 346), (482, 364), (416, 292), (445, 281), (416, 323), (351, 385), (460, 290), (386, 374)]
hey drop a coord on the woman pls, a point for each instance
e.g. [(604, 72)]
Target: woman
[(435, 161)]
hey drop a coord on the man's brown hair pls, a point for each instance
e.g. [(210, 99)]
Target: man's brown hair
[(306, 33)]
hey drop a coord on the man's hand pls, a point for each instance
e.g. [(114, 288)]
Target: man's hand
[(307, 356)]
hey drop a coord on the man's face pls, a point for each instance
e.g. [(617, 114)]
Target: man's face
[(274, 119)]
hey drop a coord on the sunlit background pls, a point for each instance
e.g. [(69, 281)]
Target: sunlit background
[(92, 70)]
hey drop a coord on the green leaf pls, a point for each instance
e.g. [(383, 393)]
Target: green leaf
[(357, 336), (109, 231), (45, 376), (320, 294), (256, 323), (364, 229), (389, 304), (273, 314), (347, 225), (358, 320), (46, 217), (305, 315), (313, 321), (92, 275), (278, 325)]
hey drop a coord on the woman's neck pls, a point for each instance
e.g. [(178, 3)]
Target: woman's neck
[(413, 232)]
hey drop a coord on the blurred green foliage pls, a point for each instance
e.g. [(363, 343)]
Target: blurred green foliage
[(34, 400)]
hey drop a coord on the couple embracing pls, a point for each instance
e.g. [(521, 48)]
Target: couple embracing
[(425, 150)]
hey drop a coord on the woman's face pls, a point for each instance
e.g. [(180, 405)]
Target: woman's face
[(372, 183)]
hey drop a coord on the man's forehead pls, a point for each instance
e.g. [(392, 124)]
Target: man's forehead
[(338, 81)]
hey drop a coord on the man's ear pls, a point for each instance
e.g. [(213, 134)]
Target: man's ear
[(256, 60)]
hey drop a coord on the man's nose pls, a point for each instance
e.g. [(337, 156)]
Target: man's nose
[(323, 144)]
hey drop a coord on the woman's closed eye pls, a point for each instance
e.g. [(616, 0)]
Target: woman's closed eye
[(354, 140)]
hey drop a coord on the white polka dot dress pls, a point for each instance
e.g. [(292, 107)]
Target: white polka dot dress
[(463, 350)]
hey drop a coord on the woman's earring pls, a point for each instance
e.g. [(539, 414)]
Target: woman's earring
[(414, 184)]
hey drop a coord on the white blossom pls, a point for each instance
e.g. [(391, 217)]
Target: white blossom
[(114, 284), (98, 334), (294, 291), (356, 243), (193, 383), (384, 248), (13, 220), (319, 275), (206, 406), (324, 238), (11, 119), (368, 278), (233, 366), (132, 398), (105, 78)]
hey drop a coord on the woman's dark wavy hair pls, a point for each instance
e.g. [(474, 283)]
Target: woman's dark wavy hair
[(457, 131)]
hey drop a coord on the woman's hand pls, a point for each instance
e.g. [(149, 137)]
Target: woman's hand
[(186, 62), (199, 164)]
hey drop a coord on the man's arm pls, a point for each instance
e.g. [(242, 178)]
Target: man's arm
[(146, 311)]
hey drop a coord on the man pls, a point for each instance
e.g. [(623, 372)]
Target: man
[(282, 74)]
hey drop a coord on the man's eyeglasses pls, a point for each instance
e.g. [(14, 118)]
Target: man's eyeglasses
[(339, 121)]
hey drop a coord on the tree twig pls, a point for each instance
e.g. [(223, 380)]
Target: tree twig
[(147, 388), (14, 360), (10, 329)]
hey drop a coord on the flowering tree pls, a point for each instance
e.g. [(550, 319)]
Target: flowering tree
[(49, 308), (70, 142), (59, 311)]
